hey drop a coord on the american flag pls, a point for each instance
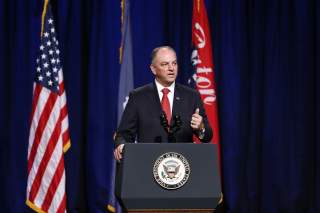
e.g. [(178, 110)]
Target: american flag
[(49, 132)]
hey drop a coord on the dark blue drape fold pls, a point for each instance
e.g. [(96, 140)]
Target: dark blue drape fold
[(267, 65)]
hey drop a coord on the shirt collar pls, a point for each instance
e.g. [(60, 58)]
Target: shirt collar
[(160, 87)]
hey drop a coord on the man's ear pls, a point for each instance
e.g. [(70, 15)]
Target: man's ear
[(153, 70)]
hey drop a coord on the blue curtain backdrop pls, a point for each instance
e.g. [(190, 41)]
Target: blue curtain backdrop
[(267, 55)]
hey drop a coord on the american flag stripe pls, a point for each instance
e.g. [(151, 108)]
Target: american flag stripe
[(65, 120), (58, 197), (64, 127), (64, 110), (53, 187), (44, 162), (62, 204), (45, 93), (35, 119), (36, 94), (43, 142), (65, 139), (49, 174), (44, 159), (42, 123), (64, 117), (52, 123), (57, 200), (61, 87), (65, 134), (45, 123)]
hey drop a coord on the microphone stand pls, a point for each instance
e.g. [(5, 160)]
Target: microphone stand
[(173, 128)]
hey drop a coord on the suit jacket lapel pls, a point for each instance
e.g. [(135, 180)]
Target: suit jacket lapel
[(155, 98), (177, 101)]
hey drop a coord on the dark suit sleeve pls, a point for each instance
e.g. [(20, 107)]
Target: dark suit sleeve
[(127, 130), (208, 130)]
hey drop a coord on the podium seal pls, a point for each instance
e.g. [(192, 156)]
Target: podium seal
[(171, 170)]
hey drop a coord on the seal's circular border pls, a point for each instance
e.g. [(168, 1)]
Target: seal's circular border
[(181, 158)]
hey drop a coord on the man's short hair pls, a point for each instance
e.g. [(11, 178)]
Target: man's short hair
[(156, 50)]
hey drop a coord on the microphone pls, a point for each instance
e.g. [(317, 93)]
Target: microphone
[(164, 121), (177, 123), (174, 127)]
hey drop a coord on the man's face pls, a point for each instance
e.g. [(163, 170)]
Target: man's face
[(165, 67)]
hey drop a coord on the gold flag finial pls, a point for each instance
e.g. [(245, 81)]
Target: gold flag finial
[(122, 29), (43, 15)]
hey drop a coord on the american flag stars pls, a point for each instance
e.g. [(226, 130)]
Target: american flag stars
[(48, 64)]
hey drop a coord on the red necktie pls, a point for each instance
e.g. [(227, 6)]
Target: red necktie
[(166, 104)]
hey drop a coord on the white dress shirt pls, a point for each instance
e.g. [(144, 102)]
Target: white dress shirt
[(170, 94)]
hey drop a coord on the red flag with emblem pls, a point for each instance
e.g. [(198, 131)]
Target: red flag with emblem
[(202, 61)]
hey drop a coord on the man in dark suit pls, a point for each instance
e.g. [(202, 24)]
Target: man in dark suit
[(176, 103)]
